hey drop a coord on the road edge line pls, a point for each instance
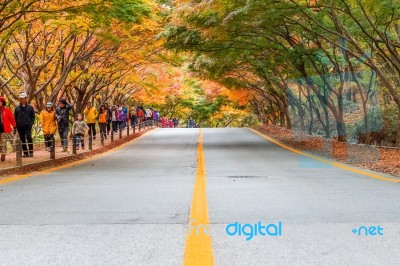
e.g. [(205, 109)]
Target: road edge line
[(320, 159)]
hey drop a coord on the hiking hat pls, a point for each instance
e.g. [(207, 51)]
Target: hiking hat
[(23, 95)]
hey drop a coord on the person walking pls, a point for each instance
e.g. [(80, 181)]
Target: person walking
[(103, 118), (149, 114), (132, 114), (139, 115), (91, 115), (156, 116), (126, 115), (121, 118), (62, 115), (24, 115), (109, 113), (114, 118), (48, 123), (176, 122), (7, 125), (191, 123), (78, 131)]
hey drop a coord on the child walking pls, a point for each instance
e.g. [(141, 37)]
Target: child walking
[(78, 130)]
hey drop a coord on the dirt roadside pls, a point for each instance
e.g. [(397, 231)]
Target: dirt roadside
[(380, 159)]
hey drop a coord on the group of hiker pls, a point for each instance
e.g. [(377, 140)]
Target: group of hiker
[(57, 118)]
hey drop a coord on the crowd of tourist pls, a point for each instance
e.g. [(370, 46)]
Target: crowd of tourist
[(57, 118)]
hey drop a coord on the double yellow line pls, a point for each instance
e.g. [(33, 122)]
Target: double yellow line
[(198, 248)]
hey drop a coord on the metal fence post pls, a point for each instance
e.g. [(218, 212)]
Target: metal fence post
[(102, 139), (74, 142), (120, 133), (127, 130), (90, 142), (112, 135), (53, 149), (19, 153)]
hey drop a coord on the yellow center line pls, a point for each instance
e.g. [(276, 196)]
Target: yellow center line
[(198, 247), (335, 164)]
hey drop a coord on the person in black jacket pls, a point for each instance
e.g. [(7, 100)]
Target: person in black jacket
[(109, 114), (62, 115), (25, 118)]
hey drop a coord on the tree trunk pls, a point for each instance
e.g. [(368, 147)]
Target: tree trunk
[(287, 115), (341, 130), (367, 130), (282, 118)]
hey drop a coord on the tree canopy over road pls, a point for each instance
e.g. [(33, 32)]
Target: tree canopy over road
[(318, 60), (328, 68)]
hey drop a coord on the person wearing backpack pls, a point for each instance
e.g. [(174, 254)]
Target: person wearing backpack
[(7, 125), (133, 117), (139, 115), (49, 126), (24, 115)]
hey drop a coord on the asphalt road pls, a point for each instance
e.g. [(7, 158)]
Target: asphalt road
[(131, 207)]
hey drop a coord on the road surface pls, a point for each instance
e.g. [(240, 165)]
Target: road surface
[(133, 207)]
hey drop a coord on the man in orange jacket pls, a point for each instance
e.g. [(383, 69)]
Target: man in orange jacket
[(91, 115), (48, 124), (6, 122)]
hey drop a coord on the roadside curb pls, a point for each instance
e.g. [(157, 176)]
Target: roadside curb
[(43, 167)]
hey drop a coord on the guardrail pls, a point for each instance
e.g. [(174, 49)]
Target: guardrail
[(331, 148), (304, 135), (15, 154)]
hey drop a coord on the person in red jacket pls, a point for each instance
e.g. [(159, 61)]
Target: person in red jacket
[(6, 121)]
